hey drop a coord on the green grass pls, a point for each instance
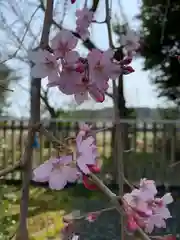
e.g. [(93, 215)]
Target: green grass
[(46, 209)]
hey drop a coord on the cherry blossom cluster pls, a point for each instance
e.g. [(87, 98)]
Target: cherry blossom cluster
[(76, 75), (59, 171), (144, 209)]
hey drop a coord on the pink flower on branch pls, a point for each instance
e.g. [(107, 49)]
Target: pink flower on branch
[(86, 89), (86, 153), (156, 220), (83, 32), (84, 129), (69, 77), (102, 67), (130, 41), (63, 43), (91, 217), (87, 182), (161, 205), (84, 19), (144, 209), (58, 172), (46, 65), (74, 75)]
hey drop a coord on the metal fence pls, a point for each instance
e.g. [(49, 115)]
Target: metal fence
[(154, 146)]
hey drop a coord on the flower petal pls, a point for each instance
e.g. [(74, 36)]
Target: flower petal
[(72, 174), (39, 71), (72, 57), (81, 161), (81, 97), (66, 159), (167, 199), (42, 173), (88, 184), (57, 179), (96, 94), (36, 56)]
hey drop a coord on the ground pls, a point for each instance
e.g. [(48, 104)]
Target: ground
[(46, 209)]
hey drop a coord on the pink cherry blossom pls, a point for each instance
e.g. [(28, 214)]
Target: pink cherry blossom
[(83, 32), (69, 77), (96, 92), (57, 172), (84, 17), (81, 97), (84, 129), (92, 216), (63, 42), (46, 65), (148, 189), (134, 200), (86, 153), (131, 224), (153, 221), (130, 41), (147, 211), (161, 206), (101, 66)]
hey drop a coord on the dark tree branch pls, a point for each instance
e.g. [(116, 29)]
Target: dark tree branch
[(20, 41), (22, 233), (109, 95), (44, 98)]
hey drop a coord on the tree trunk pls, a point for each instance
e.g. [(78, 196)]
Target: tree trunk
[(123, 114)]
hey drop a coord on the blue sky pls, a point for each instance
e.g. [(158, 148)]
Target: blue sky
[(138, 89)]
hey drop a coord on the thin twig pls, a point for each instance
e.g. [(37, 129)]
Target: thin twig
[(23, 37), (5, 88), (52, 138), (70, 217), (10, 169), (19, 164), (161, 237), (174, 164)]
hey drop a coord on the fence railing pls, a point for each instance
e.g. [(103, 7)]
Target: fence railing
[(154, 145)]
